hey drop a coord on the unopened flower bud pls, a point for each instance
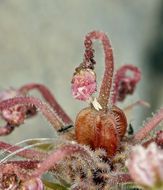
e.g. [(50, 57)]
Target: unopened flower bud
[(84, 85)]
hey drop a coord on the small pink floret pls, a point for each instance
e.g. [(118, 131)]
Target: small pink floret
[(146, 165), (84, 85)]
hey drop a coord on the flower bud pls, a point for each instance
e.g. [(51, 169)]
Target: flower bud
[(84, 85)]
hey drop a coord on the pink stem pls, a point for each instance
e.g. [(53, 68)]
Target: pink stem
[(50, 99), (28, 153), (5, 104), (145, 130), (6, 130), (25, 164), (120, 75), (109, 67), (50, 161)]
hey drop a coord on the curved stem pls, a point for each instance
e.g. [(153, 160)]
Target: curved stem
[(121, 75), (49, 115), (50, 99), (146, 129), (109, 66)]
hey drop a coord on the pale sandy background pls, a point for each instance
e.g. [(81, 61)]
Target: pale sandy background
[(41, 41)]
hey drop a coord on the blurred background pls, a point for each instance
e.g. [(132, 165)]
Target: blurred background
[(42, 42)]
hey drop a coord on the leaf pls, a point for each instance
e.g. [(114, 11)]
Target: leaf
[(53, 186), (131, 186)]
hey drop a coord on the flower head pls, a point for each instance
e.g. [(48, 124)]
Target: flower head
[(84, 85)]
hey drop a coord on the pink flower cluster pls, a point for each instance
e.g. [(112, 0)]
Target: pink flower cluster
[(84, 85)]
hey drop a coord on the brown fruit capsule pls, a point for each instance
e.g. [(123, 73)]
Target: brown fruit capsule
[(121, 121), (98, 130)]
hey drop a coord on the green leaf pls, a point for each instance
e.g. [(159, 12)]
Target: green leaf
[(53, 186), (131, 186)]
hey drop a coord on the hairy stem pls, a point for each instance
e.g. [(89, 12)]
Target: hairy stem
[(109, 67), (146, 129), (25, 164), (50, 161), (49, 115), (121, 74), (28, 153), (50, 99)]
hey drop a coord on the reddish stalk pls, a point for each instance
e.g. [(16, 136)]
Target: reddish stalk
[(50, 99), (109, 66), (146, 129), (25, 164), (28, 153), (50, 161), (49, 115), (120, 76)]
